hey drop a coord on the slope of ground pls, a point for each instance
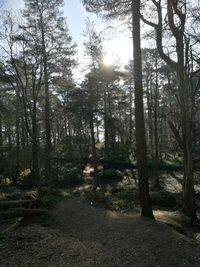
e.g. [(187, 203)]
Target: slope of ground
[(87, 236)]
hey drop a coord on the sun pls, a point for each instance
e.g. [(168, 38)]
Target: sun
[(117, 51), (108, 59)]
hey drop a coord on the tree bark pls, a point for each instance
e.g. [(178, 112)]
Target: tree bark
[(35, 150), (93, 143), (47, 107), (130, 116), (184, 92), (1, 135), (189, 206), (106, 135), (17, 143), (156, 156), (139, 115), (94, 154), (150, 120)]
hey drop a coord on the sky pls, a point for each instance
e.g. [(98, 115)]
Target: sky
[(117, 43)]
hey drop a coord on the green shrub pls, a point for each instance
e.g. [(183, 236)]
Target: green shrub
[(110, 175), (53, 196), (121, 200), (117, 163), (171, 165), (164, 199), (71, 177), (27, 180), (125, 195), (122, 204)]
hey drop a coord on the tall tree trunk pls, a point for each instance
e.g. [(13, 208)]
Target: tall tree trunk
[(150, 121), (35, 152), (156, 157), (111, 138), (131, 115), (47, 107), (17, 143), (139, 115), (94, 154), (24, 136), (189, 206), (174, 12), (106, 134), (1, 136), (96, 181)]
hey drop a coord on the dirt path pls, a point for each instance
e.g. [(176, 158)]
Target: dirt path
[(85, 236), (115, 239)]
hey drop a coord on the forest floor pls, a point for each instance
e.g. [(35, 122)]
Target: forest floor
[(79, 234)]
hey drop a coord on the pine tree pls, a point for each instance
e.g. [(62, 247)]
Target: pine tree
[(120, 9), (53, 44)]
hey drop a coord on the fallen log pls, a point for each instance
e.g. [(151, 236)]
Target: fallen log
[(7, 204), (22, 212)]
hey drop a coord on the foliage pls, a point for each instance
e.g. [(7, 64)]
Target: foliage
[(110, 175), (164, 199), (53, 196), (27, 181), (175, 164), (123, 199), (117, 163), (71, 177), (118, 199)]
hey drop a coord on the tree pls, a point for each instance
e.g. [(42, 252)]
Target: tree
[(152, 76), (176, 21), (22, 64), (94, 52), (47, 26), (24, 75), (129, 83), (115, 9), (139, 114)]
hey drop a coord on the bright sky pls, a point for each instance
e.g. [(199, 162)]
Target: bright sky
[(118, 45)]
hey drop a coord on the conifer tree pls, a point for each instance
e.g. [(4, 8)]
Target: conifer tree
[(120, 9), (53, 44)]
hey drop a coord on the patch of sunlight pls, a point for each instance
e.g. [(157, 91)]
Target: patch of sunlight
[(120, 215), (113, 214), (66, 194)]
